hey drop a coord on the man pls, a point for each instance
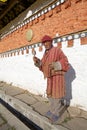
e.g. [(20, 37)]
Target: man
[(53, 64)]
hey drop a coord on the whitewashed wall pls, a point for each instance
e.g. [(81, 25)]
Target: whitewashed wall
[(20, 71), (76, 77)]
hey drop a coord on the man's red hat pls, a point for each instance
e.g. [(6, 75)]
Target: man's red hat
[(46, 38)]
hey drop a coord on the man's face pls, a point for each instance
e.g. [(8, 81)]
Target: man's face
[(47, 44)]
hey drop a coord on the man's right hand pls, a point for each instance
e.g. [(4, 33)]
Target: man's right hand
[(35, 59)]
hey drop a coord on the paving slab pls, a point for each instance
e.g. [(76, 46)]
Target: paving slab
[(61, 127), (2, 84), (28, 99), (74, 111), (83, 114), (40, 98), (76, 124), (12, 91), (41, 107)]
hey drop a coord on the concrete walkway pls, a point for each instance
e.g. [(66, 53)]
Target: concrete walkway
[(34, 108)]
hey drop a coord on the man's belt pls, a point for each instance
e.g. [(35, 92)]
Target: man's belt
[(52, 72)]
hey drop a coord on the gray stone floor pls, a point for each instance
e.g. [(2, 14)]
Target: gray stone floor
[(35, 107)]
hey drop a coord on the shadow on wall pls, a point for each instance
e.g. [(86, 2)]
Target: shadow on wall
[(69, 77)]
